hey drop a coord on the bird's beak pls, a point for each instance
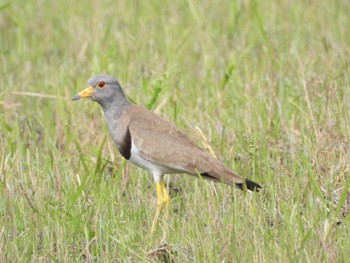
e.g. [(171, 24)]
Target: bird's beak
[(86, 93)]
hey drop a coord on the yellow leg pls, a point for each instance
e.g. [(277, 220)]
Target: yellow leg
[(162, 198)]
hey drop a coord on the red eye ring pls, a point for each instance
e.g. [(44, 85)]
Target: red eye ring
[(101, 84)]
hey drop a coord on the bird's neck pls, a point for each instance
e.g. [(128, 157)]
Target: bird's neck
[(114, 106)]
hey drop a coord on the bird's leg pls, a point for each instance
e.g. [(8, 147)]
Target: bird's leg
[(165, 198), (162, 198)]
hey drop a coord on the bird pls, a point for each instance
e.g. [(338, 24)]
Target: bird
[(154, 144)]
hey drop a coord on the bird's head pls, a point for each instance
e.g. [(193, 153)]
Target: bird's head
[(100, 88)]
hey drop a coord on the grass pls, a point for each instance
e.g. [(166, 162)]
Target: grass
[(263, 85)]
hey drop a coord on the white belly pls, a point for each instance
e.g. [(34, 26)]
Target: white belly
[(152, 167)]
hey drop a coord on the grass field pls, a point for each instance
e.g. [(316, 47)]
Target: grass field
[(263, 85)]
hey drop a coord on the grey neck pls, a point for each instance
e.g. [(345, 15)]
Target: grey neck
[(114, 105)]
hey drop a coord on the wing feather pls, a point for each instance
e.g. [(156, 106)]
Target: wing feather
[(160, 142)]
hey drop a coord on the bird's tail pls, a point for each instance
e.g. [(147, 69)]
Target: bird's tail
[(231, 179), (217, 171), (252, 186)]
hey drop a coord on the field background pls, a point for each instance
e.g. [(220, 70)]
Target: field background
[(263, 85)]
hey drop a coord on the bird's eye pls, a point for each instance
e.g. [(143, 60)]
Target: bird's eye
[(101, 84)]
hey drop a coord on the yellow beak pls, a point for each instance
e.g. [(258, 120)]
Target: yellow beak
[(84, 94)]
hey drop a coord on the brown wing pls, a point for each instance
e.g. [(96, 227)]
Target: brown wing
[(160, 142)]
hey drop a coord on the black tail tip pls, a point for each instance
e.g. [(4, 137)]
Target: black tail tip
[(250, 185)]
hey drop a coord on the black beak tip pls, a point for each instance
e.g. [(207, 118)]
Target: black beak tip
[(76, 97)]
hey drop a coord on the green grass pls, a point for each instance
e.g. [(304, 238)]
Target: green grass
[(265, 85)]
